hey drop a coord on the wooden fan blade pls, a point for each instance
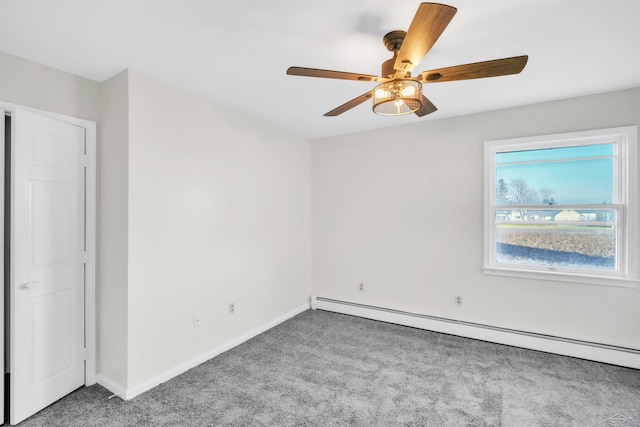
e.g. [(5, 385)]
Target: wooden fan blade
[(329, 74), (430, 21), (427, 107), (477, 70), (349, 105)]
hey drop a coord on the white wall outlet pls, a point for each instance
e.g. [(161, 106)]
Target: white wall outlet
[(361, 286), (458, 300), (196, 320), (232, 307)]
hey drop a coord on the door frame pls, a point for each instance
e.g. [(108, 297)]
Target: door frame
[(90, 327)]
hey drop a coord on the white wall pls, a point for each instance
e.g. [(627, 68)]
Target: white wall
[(34, 85), (219, 212), (400, 209), (198, 207), (113, 250)]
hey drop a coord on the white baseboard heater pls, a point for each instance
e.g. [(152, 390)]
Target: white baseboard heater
[(614, 355)]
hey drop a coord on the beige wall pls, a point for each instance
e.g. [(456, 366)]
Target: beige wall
[(401, 209)]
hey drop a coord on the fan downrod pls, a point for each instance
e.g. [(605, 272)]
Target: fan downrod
[(392, 41)]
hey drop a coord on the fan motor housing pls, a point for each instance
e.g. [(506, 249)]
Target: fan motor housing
[(387, 67), (393, 41)]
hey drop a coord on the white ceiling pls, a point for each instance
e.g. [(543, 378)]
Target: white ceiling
[(236, 52)]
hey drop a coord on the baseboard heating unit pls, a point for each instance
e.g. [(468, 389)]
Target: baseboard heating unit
[(614, 355)]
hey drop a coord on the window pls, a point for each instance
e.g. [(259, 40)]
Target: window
[(563, 207)]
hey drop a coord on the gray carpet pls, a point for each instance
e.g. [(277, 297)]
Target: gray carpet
[(327, 369)]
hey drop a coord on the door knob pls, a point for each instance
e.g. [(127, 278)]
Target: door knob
[(26, 285)]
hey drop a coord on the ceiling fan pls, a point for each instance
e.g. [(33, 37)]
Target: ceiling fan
[(398, 92)]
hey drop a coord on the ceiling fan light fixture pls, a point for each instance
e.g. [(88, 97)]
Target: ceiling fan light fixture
[(397, 97), (402, 94)]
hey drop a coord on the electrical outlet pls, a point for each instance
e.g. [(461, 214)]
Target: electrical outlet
[(361, 286), (196, 320), (458, 300), (232, 307)]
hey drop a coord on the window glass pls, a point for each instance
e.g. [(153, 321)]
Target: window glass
[(565, 176), (554, 245)]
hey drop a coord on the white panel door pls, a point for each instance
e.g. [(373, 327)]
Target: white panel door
[(47, 262)]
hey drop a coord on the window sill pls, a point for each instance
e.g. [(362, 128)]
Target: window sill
[(562, 277)]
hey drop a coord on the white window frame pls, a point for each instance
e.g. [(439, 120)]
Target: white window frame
[(625, 140)]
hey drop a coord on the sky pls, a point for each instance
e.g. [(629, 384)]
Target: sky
[(576, 175)]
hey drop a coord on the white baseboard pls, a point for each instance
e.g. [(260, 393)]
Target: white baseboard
[(113, 386), (567, 347), (130, 393)]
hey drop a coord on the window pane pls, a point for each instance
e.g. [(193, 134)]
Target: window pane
[(567, 176), (556, 245)]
